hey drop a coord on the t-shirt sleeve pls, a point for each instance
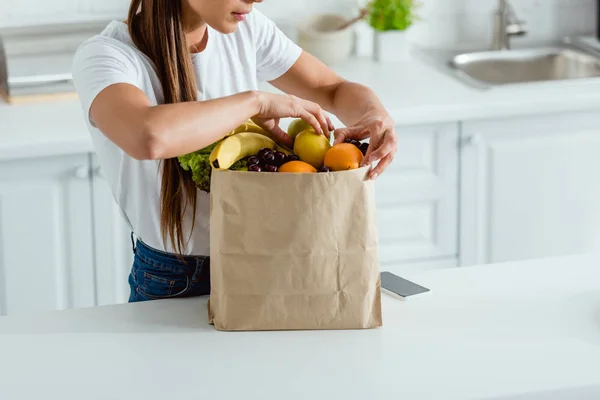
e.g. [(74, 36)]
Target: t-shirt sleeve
[(275, 52), (97, 65)]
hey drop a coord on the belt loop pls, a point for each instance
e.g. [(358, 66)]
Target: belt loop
[(198, 270), (133, 244)]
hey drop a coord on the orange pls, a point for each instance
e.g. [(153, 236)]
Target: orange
[(297, 166), (342, 157)]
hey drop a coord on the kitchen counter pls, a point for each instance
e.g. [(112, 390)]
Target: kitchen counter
[(44, 129), (415, 92), (523, 330)]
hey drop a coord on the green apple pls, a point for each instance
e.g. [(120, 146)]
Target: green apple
[(297, 126)]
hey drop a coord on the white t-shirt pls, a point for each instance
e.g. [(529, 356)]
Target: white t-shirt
[(231, 63)]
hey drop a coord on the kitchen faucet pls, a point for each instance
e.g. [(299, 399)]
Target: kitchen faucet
[(3, 72), (506, 25)]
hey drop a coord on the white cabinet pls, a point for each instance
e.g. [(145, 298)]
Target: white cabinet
[(530, 188), (456, 194), (46, 246), (112, 239), (63, 241), (417, 197)]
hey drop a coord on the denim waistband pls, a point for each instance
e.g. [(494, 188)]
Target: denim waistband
[(191, 264)]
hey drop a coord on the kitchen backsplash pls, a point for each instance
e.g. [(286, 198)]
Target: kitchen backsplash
[(444, 22), (449, 22)]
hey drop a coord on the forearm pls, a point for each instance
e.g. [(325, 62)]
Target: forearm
[(351, 101), (177, 129)]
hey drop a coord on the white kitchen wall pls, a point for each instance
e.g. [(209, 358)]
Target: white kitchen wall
[(444, 22), (32, 12), (450, 22)]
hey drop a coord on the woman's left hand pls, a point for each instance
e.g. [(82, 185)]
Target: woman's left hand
[(377, 125)]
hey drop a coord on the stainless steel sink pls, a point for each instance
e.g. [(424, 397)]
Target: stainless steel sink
[(503, 66), (518, 66)]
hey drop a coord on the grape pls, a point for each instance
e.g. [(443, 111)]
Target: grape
[(264, 151), (254, 168), (324, 169), (363, 148), (279, 158), (270, 168), (253, 160), (268, 158), (356, 143), (292, 157), (347, 140)]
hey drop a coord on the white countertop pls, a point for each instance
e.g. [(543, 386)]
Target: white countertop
[(524, 330), (415, 92)]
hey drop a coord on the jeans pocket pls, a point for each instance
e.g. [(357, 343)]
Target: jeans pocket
[(155, 283)]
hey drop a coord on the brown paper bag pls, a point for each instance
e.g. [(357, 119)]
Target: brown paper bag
[(293, 251)]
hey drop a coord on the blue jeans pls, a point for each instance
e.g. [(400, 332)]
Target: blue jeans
[(157, 275)]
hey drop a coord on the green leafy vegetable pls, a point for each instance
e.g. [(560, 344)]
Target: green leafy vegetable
[(387, 15), (198, 163)]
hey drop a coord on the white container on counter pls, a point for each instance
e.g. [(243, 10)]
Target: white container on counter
[(320, 36), (391, 46)]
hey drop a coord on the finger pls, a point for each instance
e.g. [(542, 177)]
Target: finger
[(378, 153), (381, 166), (330, 125), (352, 132), (339, 137), (328, 130), (376, 139), (300, 110), (323, 120), (311, 120), (319, 114), (280, 136), (382, 143), (374, 143), (386, 147)]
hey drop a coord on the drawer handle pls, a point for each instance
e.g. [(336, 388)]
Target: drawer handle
[(473, 140), (99, 173), (82, 172)]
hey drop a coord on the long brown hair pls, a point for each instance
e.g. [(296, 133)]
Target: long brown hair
[(156, 27)]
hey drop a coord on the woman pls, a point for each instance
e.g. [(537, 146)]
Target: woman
[(173, 79)]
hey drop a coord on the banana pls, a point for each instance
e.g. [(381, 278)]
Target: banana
[(248, 126), (234, 148)]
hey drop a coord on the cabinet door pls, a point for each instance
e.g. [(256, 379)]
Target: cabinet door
[(46, 256), (530, 188), (112, 241), (417, 196)]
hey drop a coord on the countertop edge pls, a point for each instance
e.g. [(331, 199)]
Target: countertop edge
[(417, 116), (420, 95), (68, 146)]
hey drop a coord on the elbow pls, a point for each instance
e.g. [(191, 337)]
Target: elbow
[(149, 145), (154, 147), (138, 131)]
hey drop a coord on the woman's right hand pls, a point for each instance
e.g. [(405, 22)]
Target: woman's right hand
[(273, 107)]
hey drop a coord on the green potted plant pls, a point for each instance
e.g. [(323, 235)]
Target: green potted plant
[(390, 20)]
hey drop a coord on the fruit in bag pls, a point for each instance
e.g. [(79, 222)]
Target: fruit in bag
[(343, 157), (311, 147), (297, 166)]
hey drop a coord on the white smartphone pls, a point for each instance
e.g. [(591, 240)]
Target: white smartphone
[(400, 287)]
